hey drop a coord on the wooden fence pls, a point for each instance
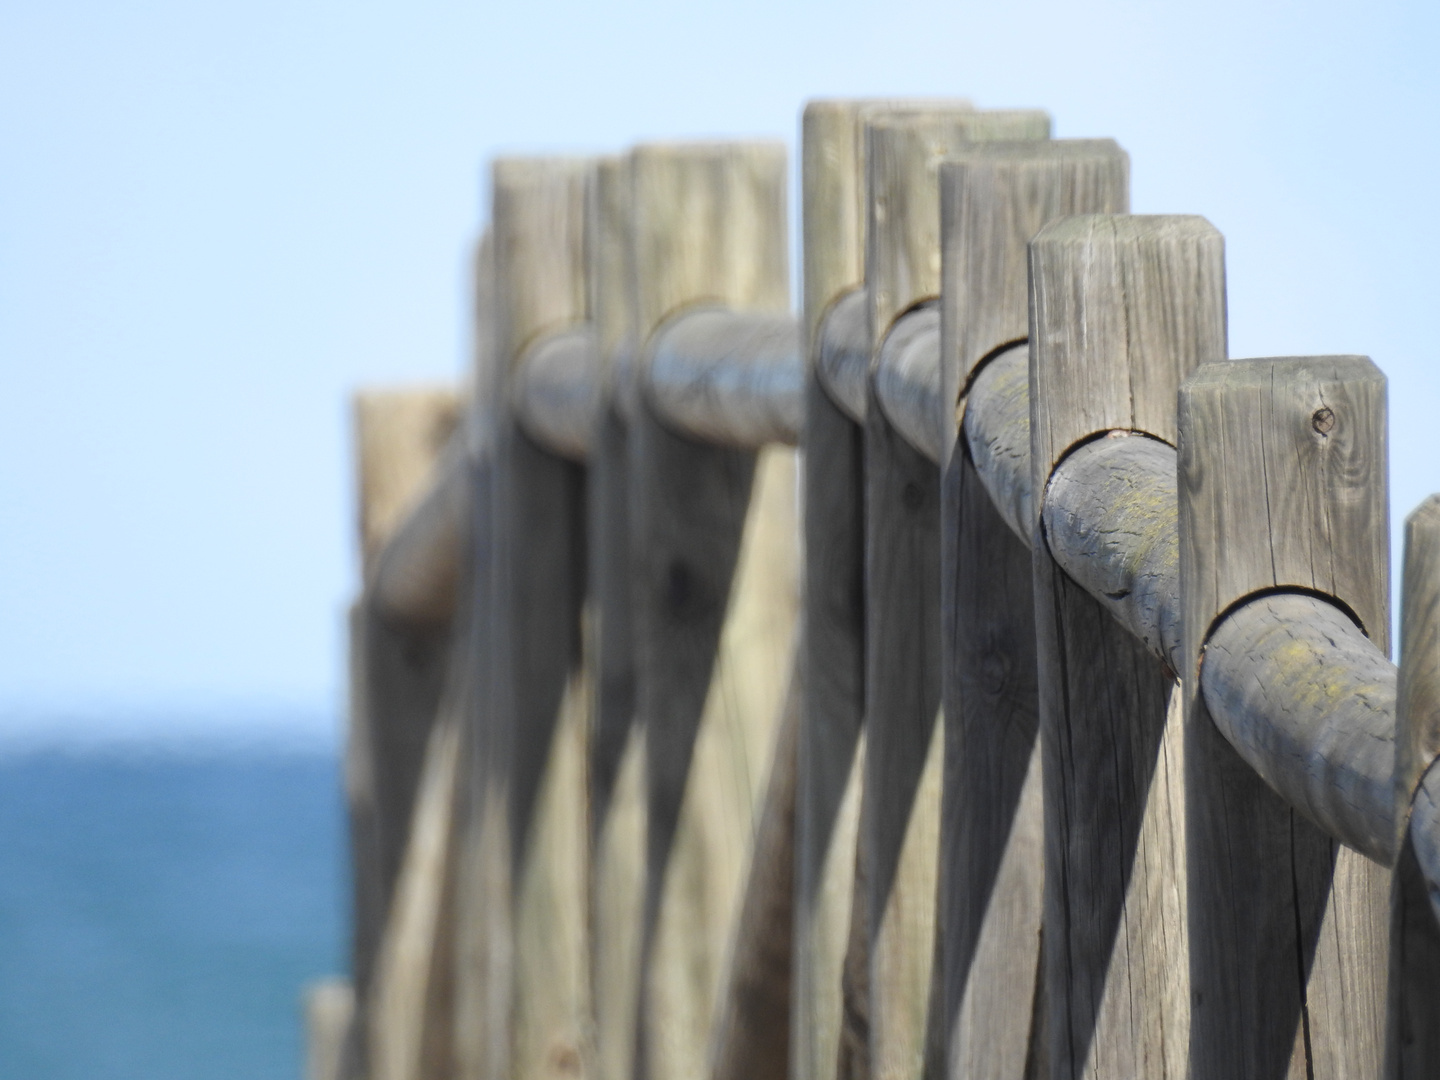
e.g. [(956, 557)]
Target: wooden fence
[(977, 676)]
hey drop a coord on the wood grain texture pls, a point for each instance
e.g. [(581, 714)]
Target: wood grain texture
[(899, 810), (1122, 308), (1309, 702), (715, 615), (709, 226), (556, 392), (842, 358), (828, 797), (1412, 1037), (994, 197), (832, 175), (1282, 484), (728, 377), (899, 814), (992, 825), (903, 151), (907, 379), (709, 229), (827, 1025), (997, 436)]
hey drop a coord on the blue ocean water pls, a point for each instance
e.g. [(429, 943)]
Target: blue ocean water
[(160, 912)]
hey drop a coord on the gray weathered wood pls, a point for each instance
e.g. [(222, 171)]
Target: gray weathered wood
[(903, 152), (1111, 524), (900, 804), (1308, 701), (1282, 487), (617, 797), (997, 436), (1122, 308), (994, 197), (827, 796), (907, 380), (1412, 1036), (531, 1005), (728, 377), (842, 358), (556, 392), (416, 575), (708, 228)]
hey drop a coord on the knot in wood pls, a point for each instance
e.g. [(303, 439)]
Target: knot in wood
[(912, 496), (1323, 421), (684, 598)]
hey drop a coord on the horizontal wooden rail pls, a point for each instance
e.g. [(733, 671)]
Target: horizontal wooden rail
[(557, 392), (844, 367), (907, 379), (727, 377), (1299, 690), (1306, 698), (416, 573)]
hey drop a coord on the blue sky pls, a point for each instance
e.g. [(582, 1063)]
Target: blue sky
[(217, 219)]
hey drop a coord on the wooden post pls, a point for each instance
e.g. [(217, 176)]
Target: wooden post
[(1413, 1036), (617, 747), (396, 670), (714, 601), (899, 815), (828, 790), (532, 814), (1282, 478), (994, 198), (1122, 308)]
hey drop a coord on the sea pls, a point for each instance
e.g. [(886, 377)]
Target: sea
[(165, 898)]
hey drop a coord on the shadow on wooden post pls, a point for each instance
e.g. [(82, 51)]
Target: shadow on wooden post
[(617, 746), (994, 198), (1413, 1038), (1122, 309), (900, 801), (1282, 479), (710, 635), (524, 993)]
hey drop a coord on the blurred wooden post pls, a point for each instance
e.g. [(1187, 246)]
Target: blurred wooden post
[(1413, 1035), (994, 198), (828, 784), (899, 815), (713, 616), (1282, 472), (1122, 309), (396, 670), (617, 746), (329, 1014), (531, 884)]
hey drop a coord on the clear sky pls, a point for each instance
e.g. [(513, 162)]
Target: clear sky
[(217, 219)]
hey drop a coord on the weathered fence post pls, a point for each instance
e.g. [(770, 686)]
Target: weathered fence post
[(899, 816), (1282, 477), (994, 198), (1413, 1036), (1122, 309), (827, 796), (714, 602), (532, 725), (617, 747)]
